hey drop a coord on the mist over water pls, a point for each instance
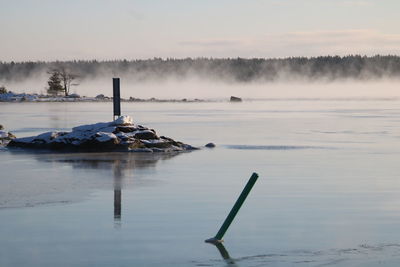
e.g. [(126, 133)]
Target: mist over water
[(300, 77), (206, 89)]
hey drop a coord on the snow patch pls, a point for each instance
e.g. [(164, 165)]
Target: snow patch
[(47, 137), (91, 127), (123, 120), (104, 137)]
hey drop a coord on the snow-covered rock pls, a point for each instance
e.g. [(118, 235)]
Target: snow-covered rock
[(10, 96), (118, 135), (123, 120)]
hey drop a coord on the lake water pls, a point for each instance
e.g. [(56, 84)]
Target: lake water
[(328, 192)]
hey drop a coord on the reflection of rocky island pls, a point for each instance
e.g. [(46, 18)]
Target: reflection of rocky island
[(120, 163), (119, 135), (121, 166)]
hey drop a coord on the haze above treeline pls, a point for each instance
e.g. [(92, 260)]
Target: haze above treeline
[(325, 68)]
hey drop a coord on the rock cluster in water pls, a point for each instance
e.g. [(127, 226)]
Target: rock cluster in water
[(119, 135)]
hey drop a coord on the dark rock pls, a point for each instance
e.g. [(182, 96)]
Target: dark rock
[(235, 99), (146, 135), (1, 127), (125, 129), (147, 150), (188, 147), (155, 149), (159, 144), (11, 136), (210, 145), (102, 97), (73, 96)]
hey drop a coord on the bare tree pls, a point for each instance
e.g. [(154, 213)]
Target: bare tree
[(65, 78)]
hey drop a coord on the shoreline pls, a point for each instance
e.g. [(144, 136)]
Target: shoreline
[(18, 98)]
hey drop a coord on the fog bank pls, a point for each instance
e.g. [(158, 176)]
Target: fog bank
[(205, 89)]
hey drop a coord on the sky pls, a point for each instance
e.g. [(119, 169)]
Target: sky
[(50, 30)]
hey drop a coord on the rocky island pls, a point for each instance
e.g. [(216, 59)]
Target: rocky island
[(119, 135)]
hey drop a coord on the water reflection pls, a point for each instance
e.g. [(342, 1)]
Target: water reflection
[(119, 165), (224, 254), (120, 162), (118, 175)]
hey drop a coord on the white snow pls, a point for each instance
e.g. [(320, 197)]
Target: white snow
[(123, 120), (76, 135), (152, 141), (47, 137), (91, 127), (123, 135), (104, 137)]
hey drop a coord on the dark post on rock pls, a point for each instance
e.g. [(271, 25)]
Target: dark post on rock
[(116, 97)]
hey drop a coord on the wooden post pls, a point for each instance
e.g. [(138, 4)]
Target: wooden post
[(116, 97)]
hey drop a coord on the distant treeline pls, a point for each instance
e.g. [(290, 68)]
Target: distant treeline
[(228, 69)]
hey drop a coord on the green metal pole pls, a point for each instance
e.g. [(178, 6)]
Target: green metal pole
[(235, 210)]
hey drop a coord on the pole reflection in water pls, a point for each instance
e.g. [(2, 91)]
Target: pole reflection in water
[(224, 254), (121, 164), (118, 175), (117, 204)]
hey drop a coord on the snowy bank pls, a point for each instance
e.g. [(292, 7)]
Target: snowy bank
[(118, 135)]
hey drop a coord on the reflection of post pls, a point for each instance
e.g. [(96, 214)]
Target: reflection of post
[(117, 204), (117, 192), (225, 255)]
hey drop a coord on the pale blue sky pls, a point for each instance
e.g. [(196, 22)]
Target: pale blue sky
[(89, 29)]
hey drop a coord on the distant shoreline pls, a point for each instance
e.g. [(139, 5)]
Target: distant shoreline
[(18, 98)]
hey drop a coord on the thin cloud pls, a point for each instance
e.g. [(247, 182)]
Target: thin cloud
[(306, 43), (357, 3), (211, 43)]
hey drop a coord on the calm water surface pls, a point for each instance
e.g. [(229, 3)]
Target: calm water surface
[(328, 192)]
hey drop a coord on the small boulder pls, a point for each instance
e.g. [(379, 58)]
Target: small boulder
[(73, 96), (146, 135), (235, 99), (210, 145)]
